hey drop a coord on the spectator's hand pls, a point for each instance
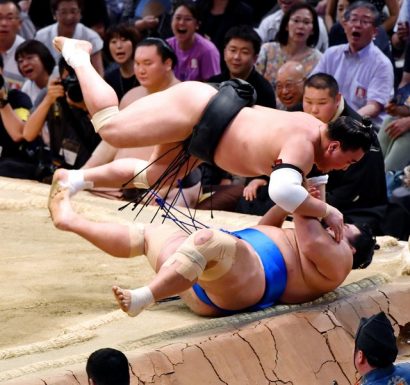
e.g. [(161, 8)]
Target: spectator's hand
[(250, 191), (396, 110), (147, 22), (398, 127), (403, 30), (334, 219), (54, 90), (3, 93)]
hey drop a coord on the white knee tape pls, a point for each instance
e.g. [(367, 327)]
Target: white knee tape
[(193, 257), (140, 171), (101, 118), (137, 239), (73, 56)]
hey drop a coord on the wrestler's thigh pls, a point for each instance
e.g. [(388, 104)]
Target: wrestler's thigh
[(196, 305), (161, 241)]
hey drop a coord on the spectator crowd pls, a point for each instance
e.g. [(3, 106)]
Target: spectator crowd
[(327, 58)]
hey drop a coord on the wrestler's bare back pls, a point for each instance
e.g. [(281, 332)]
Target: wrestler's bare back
[(249, 146)]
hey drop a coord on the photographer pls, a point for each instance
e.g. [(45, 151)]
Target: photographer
[(61, 118), (16, 155)]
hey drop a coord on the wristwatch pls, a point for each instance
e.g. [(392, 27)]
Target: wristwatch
[(3, 102)]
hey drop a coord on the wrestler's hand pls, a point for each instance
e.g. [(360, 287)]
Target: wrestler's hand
[(315, 192), (334, 219)]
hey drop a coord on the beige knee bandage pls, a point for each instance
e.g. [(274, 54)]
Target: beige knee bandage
[(137, 239), (140, 171), (102, 117), (211, 248)]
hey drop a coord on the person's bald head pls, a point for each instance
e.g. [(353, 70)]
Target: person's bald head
[(289, 83)]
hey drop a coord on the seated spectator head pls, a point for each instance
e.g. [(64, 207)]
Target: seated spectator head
[(299, 23), (120, 41), (10, 23), (154, 61), (108, 366), (67, 13), (185, 22), (289, 84), (375, 344), (321, 96), (35, 61), (242, 45), (360, 23)]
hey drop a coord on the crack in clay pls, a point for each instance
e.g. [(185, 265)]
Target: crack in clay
[(256, 355), (276, 352), (210, 363)]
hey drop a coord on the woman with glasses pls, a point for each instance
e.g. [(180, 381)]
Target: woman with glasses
[(67, 14), (297, 36), (198, 58)]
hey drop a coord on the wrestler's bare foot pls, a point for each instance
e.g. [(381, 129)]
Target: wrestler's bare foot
[(134, 301), (81, 45), (60, 208), (123, 298)]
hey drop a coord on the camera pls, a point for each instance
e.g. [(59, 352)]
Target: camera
[(72, 87)]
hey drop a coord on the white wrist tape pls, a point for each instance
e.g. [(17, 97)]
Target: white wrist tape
[(101, 118), (140, 299), (285, 188), (318, 180)]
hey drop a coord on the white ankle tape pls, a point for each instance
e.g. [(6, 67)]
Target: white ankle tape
[(140, 299), (76, 182), (140, 171), (73, 56), (101, 118)]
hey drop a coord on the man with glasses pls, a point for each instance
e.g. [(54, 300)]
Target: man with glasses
[(289, 86), (9, 41), (364, 74), (67, 13)]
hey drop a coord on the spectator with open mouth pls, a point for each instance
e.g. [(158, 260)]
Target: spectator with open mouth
[(36, 63), (198, 58)]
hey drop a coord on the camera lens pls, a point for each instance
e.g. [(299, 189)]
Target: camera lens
[(74, 93)]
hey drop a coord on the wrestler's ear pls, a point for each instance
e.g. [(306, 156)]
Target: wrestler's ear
[(168, 63), (334, 145)]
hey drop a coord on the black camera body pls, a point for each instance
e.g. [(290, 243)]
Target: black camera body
[(72, 87)]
